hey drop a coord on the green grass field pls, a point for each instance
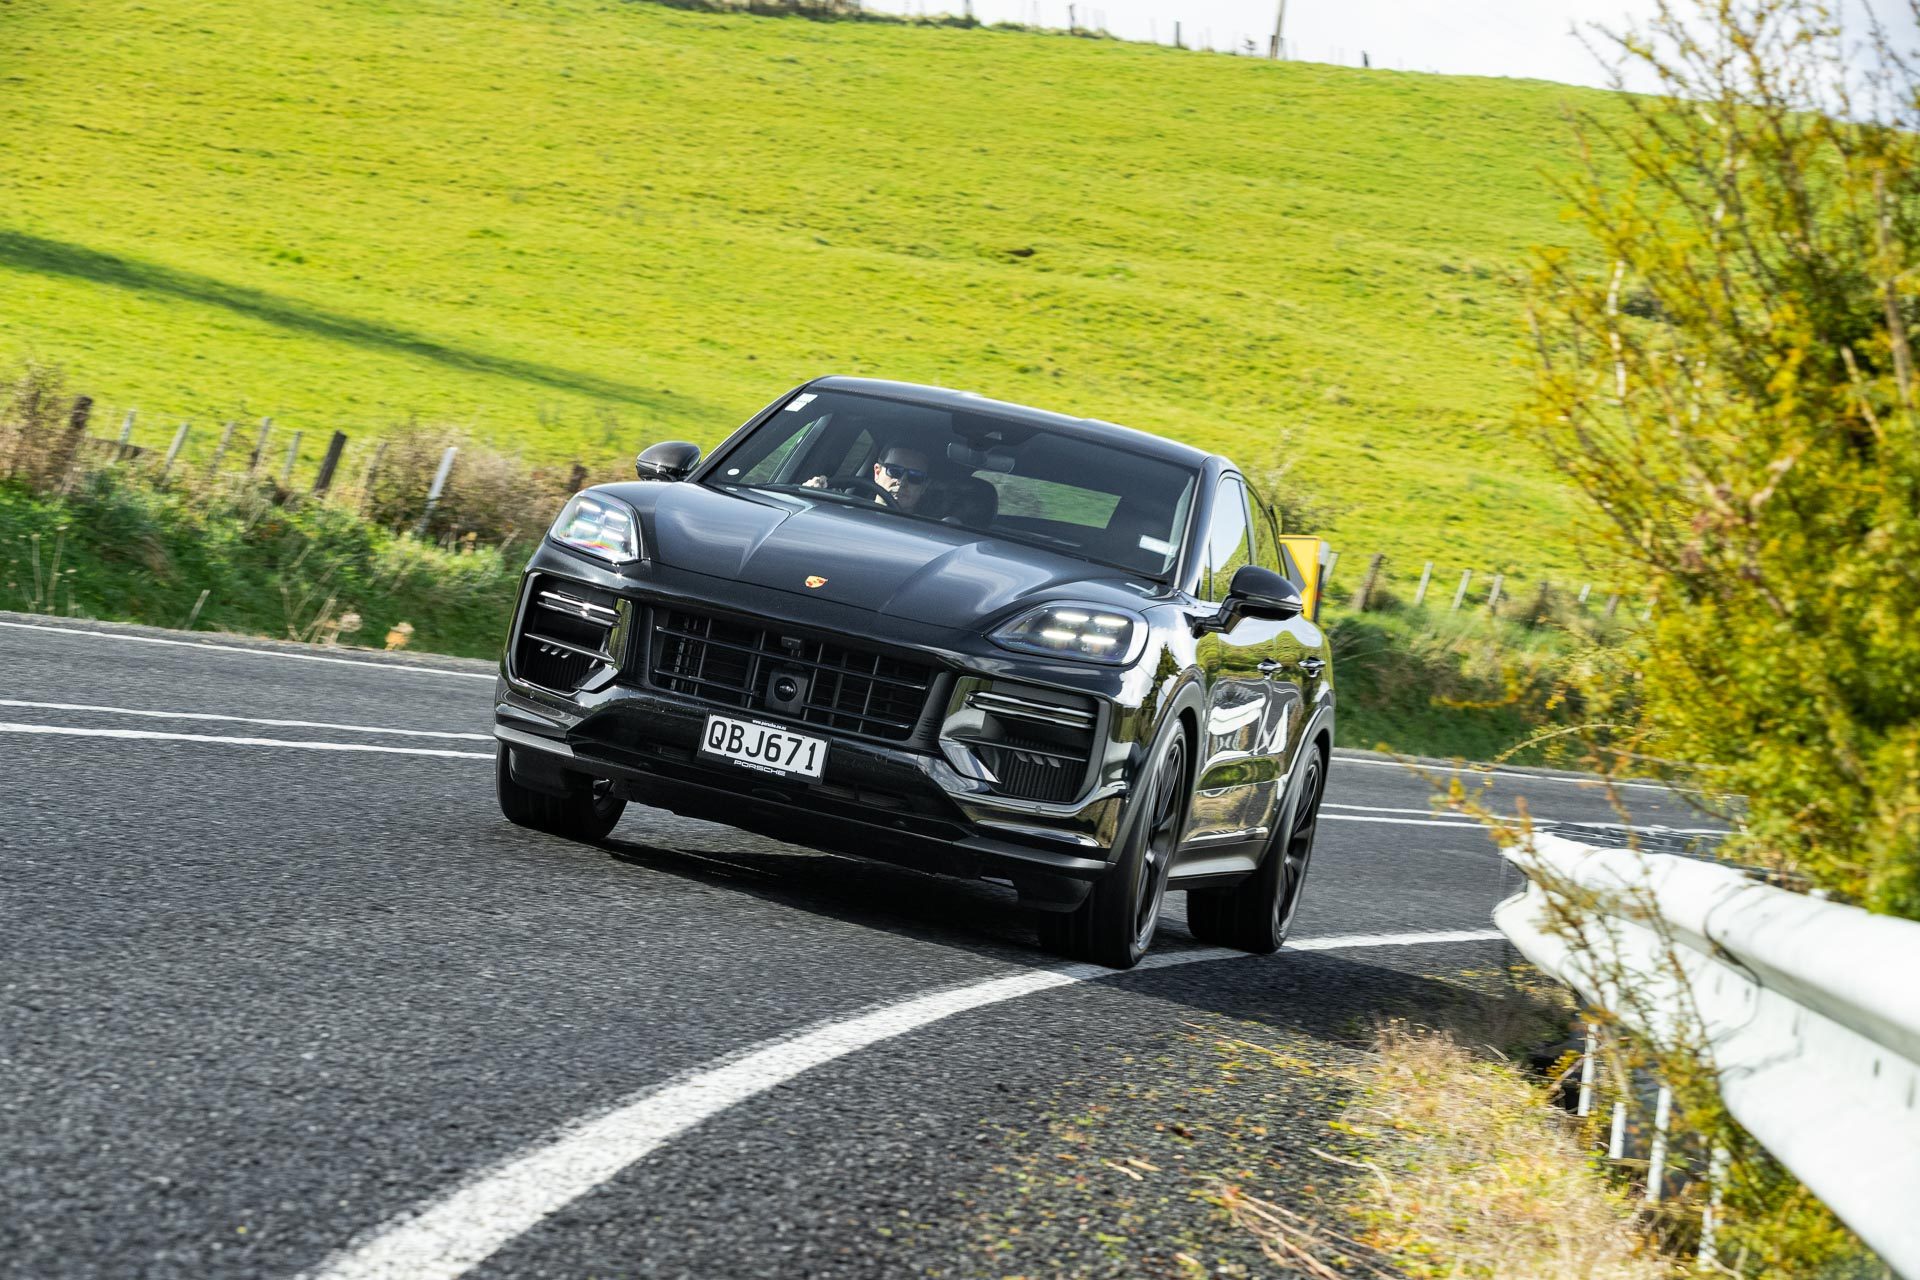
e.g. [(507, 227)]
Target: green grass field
[(578, 226)]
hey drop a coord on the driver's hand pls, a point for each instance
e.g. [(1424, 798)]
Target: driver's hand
[(818, 482)]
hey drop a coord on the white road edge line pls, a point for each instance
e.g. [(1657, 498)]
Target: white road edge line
[(208, 715), (70, 731), (451, 1235), (402, 668)]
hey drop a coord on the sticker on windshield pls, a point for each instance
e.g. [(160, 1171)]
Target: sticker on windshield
[(800, 402), (1158, 546)]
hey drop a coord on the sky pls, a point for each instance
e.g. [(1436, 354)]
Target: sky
[(1529, 38)]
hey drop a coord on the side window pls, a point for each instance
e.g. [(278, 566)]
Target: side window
[(1229, 536), (1292, 570), (773, 465), (855, 461)]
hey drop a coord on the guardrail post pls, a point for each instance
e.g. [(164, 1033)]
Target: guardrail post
[(1426, 576), (433, 494), (330, 463), (1466, 576), (1657, 1153), (1717, 1162), (173, 450), (1587, 1071)]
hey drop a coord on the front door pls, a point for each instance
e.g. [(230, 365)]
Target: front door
[(1243, 751)]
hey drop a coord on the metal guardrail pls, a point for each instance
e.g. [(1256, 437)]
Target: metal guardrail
[(1809, 1011)]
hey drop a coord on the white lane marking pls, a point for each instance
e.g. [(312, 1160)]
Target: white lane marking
[(71, 731), (455, 1233), (207, 715), (1339, 941), (1504, 820), (256, 653), (1466, 825), (1596, 781)]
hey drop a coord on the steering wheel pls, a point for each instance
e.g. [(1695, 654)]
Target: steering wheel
[(860, 484)]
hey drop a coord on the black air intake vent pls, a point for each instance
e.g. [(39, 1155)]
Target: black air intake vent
[(570, 634), (1038, 744), (768, 668)]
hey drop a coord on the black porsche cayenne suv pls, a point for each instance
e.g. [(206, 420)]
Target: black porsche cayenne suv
[(917, 625)]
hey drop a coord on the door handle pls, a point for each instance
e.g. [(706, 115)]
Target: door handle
[(1313, 666)]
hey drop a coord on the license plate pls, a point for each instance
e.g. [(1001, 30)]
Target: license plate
[(763, 747)]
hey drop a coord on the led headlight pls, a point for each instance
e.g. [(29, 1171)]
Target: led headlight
[(1088, 632), (603, 527)]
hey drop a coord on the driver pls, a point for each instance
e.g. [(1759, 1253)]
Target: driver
[(902, 471)]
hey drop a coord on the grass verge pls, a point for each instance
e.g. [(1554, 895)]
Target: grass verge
[(1470, 1172)]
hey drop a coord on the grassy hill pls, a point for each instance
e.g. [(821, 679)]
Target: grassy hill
[(581, 225)]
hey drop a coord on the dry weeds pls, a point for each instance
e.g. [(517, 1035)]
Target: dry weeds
[(1478, 1176)]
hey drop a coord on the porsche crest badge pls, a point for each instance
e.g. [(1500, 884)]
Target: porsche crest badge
[(816, 581)]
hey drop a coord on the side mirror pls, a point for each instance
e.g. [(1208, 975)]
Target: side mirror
[(1254, 593), (669, 460)]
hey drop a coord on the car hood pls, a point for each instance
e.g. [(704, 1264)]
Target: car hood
[(870, 559)]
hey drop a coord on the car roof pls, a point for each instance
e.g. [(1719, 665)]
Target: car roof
[(1084, 428)]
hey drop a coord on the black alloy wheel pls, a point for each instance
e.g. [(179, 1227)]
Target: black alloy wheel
[(1116, 923), (1256, 914), (588, 812)]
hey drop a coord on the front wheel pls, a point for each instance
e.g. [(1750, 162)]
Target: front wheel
[(1256, 914), (588, 812), (1116, 923)]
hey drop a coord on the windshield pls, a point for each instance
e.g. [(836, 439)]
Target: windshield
[(992, 475)]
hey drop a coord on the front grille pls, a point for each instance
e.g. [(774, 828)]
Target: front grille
[(569, 634), (766, 668)]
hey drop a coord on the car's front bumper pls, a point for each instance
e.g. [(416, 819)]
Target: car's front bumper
[(903, 802)]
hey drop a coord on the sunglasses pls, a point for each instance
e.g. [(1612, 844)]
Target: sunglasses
[(912, 475)]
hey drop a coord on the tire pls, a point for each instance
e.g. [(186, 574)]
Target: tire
[(1256, 914), (1116, 923), (588, 812)]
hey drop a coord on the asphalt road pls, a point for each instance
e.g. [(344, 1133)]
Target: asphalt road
[(267, 989)]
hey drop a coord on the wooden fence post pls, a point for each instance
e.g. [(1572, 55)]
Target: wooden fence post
[(126, 434), (1493, 596), (330, 463), (1460, 594), (577, 479), (259, 446), (220, 450), (373, 470), (293, 452), (1426, 576), (173, 450), (1586, 589), (66, 459), (1326, 572), (433, 494), (1538, 613), (1368, 583), (1613, 603)]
